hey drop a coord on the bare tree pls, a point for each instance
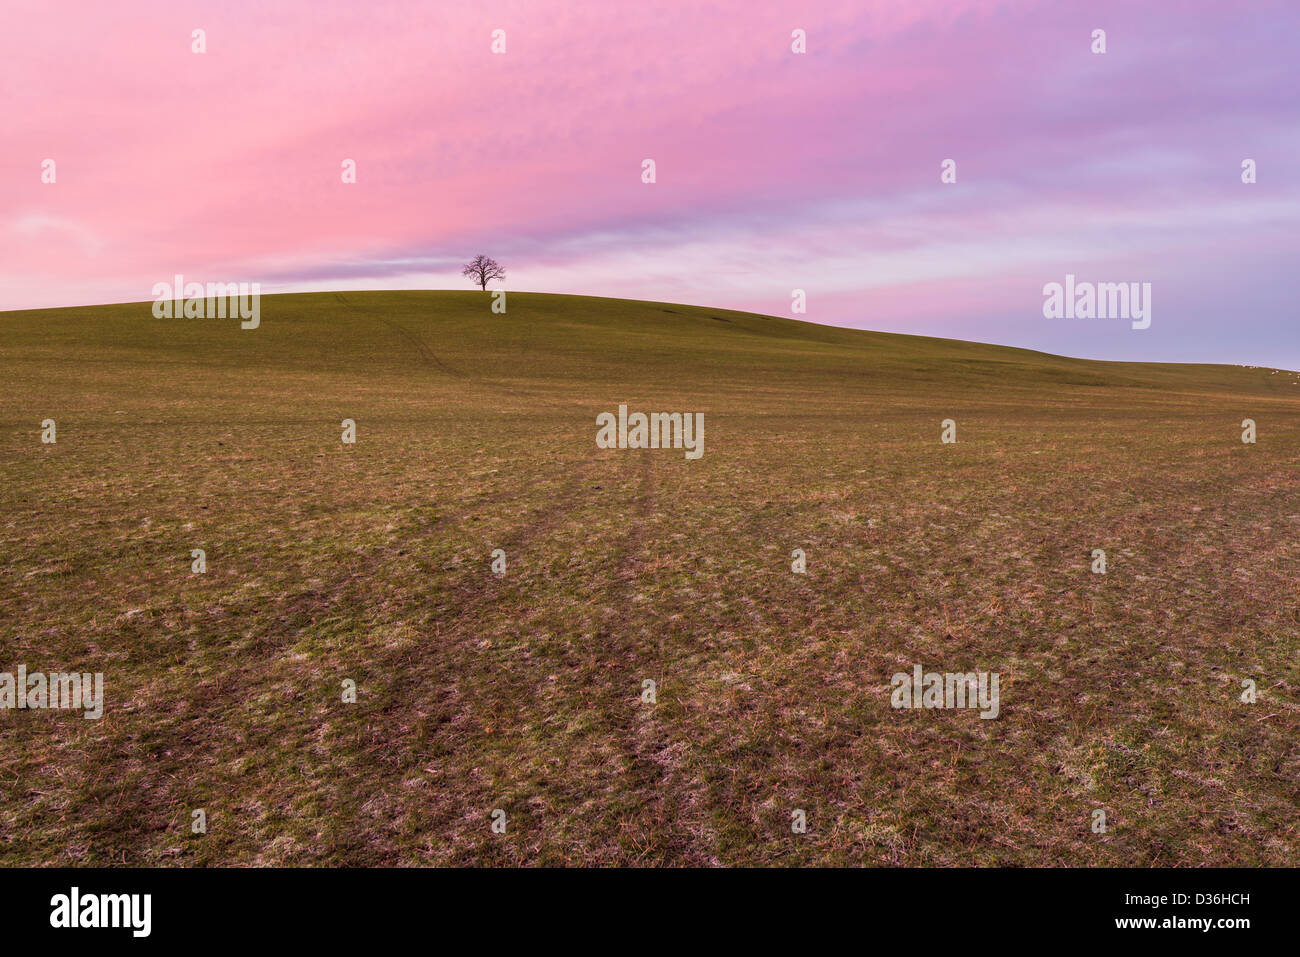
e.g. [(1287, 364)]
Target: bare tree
[(483, 269)]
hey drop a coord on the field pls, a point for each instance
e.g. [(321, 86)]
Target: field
[(523, 691)]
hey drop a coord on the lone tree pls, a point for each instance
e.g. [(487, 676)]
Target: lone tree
[(483, 269)]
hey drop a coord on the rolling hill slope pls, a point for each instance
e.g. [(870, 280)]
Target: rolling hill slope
[(523, 691)]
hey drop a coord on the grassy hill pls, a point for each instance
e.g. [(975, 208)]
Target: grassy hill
[(370, 562)]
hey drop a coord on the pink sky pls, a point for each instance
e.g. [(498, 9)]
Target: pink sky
[(775, 170)]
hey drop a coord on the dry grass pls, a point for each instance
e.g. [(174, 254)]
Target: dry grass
[(477, 432)]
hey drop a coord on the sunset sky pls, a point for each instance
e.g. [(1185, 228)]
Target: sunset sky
[(775, 171)]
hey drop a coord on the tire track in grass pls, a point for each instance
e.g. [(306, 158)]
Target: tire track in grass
[(432, 360), (421, 347), (619, 661), (436, 705)]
